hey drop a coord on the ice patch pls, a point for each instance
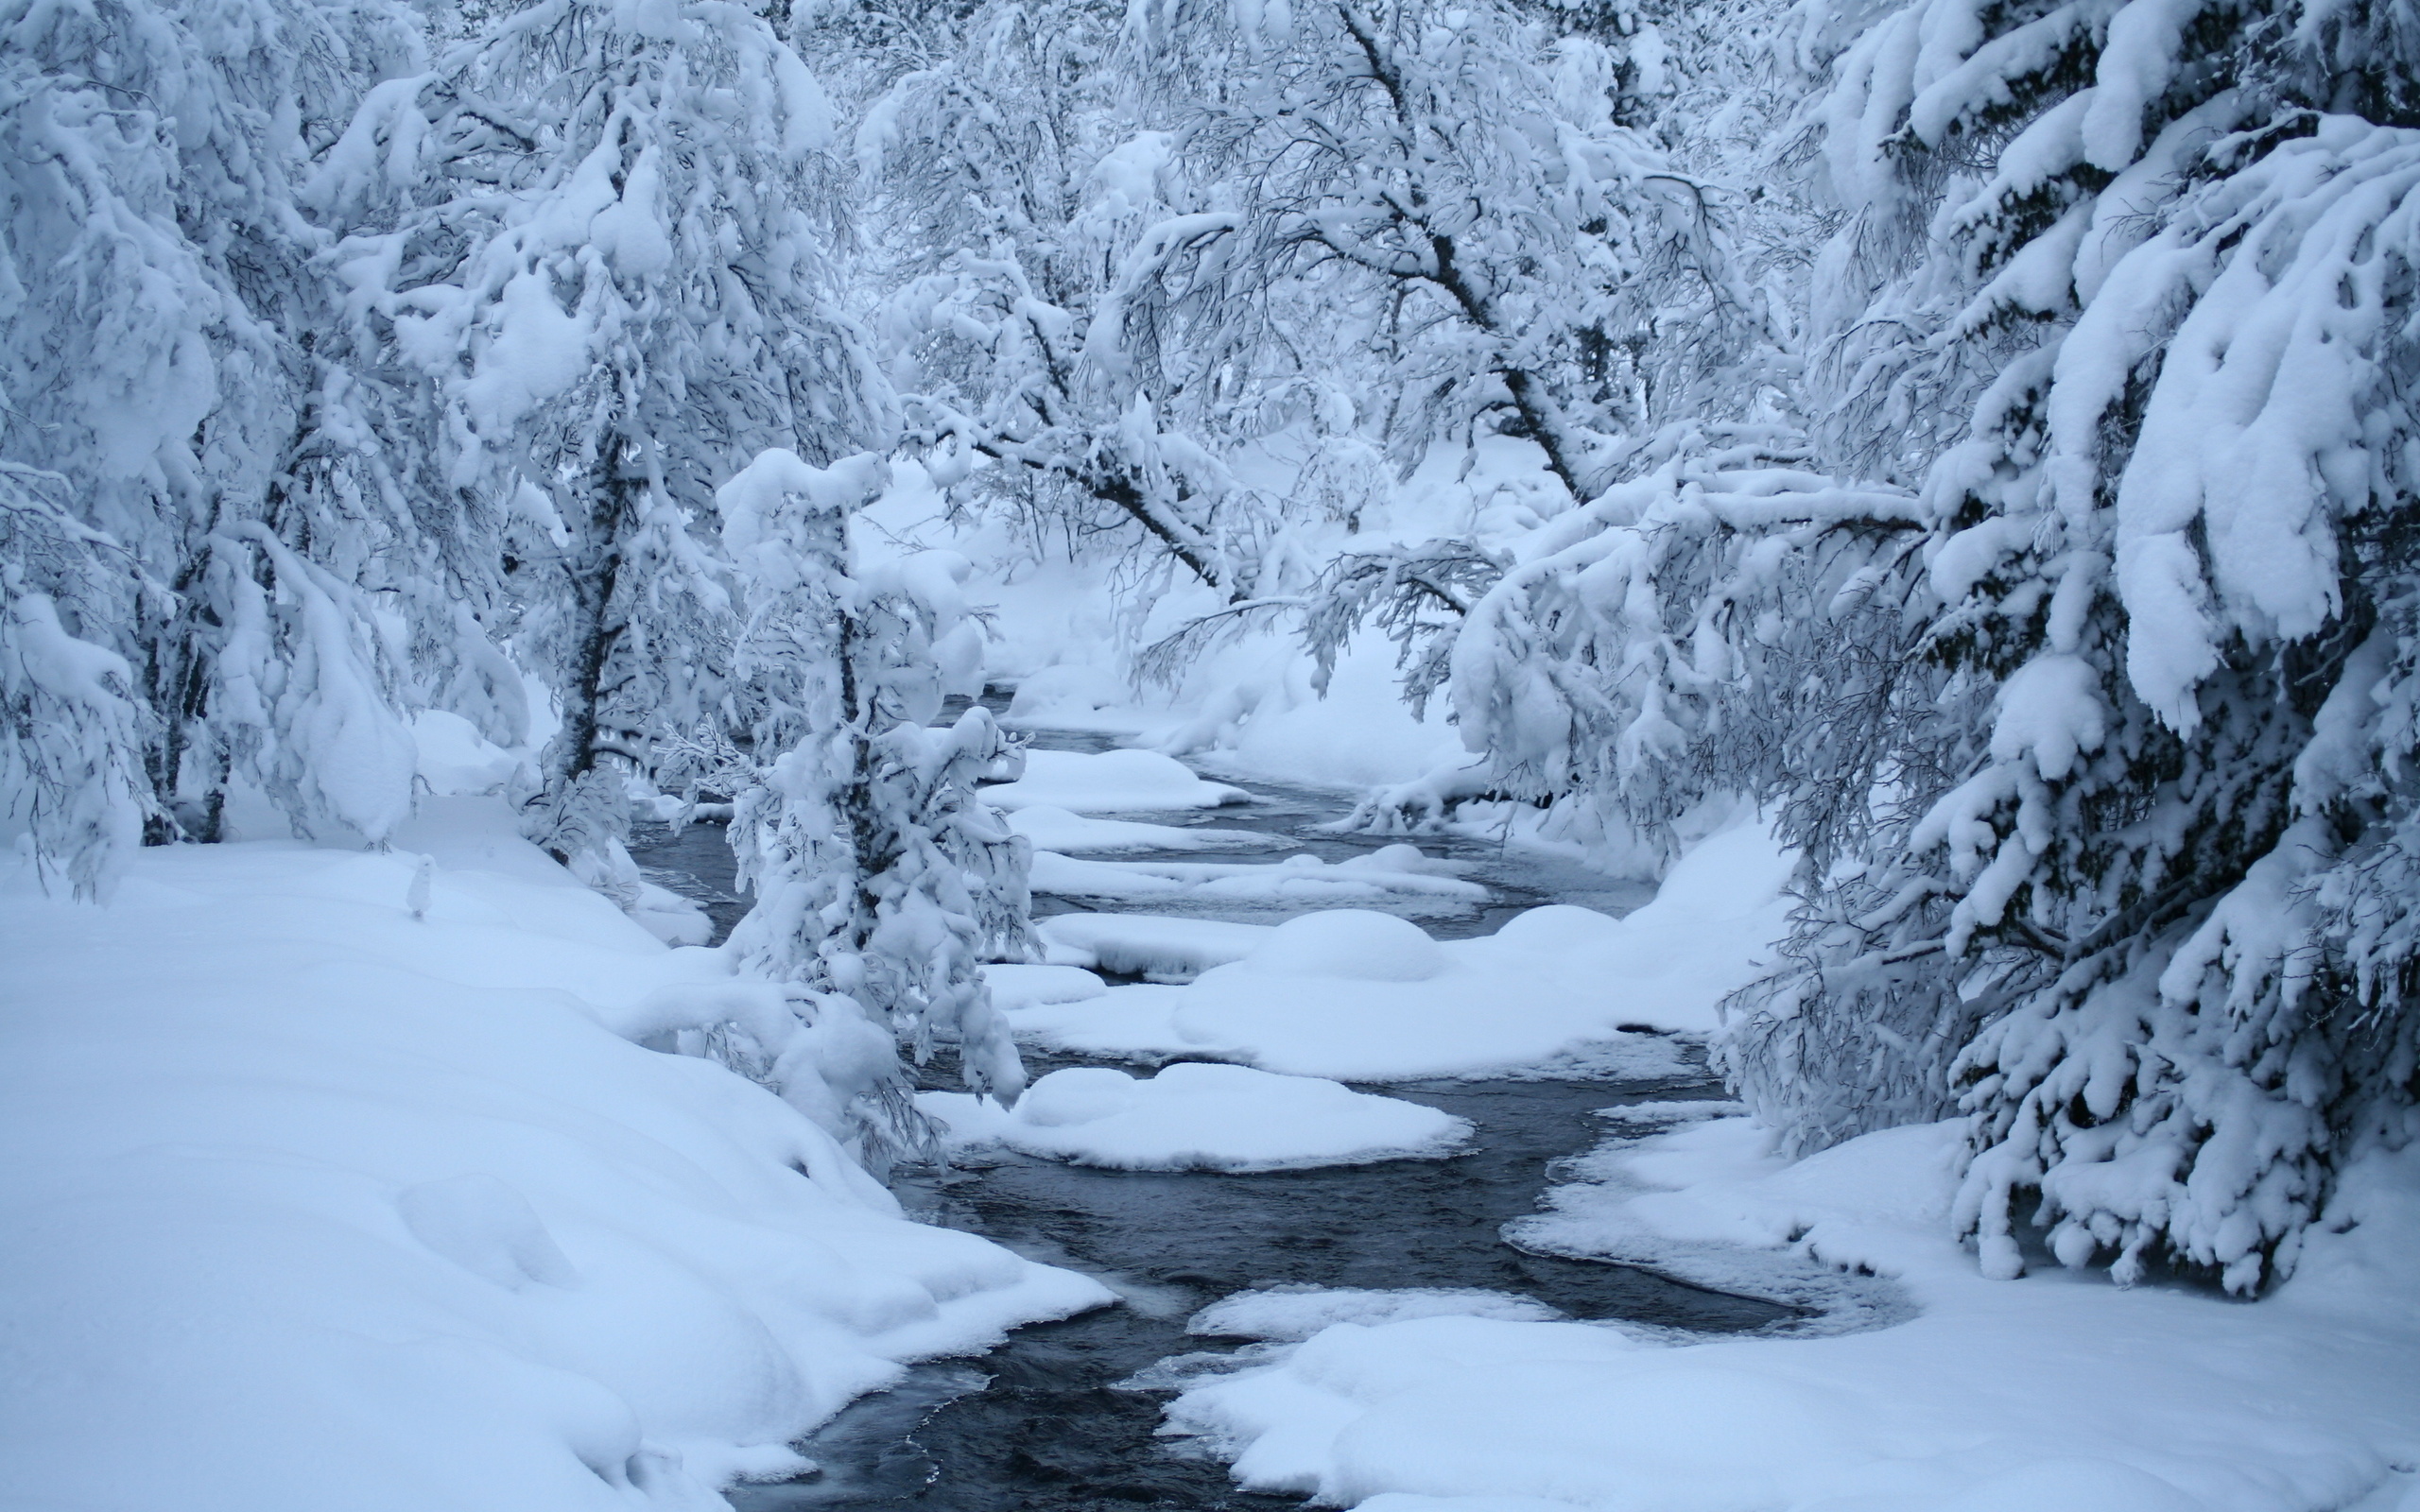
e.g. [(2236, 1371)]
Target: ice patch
[(1029, 986), (1364, 996), (2052, 1392)]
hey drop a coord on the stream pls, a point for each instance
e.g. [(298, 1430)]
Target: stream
[(1043, 1422)]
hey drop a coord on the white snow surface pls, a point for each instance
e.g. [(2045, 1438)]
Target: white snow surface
[(2057, 1391), (1112, 782), (1160, 946), (1289, 1314), (320, 1204), (1365, 996), (1074, 835), (1194, 1116), (1017, 986), (1397, 872), (455, 760)]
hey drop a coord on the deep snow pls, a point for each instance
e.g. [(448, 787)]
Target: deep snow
[(2058, 1391), (311, 1202)]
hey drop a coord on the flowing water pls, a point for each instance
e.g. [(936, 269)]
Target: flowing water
[(1047, 1421)]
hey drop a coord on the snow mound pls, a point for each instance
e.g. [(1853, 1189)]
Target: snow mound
[(307, 1192), (1194, 1116), (1350, 943), (1289, 1314), (1114, 782), (1296, 879), (1070, 835), (1159, 946), (1029, 986)]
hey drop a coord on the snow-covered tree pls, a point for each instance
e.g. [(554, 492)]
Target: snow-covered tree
[(882, 880), (2089, 712), (1025, 184), (76, 722), (601, 233), (2166, 544), (159, 311), (1448, 190)]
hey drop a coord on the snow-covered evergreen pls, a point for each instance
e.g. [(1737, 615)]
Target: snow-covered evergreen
[(2085, 710)]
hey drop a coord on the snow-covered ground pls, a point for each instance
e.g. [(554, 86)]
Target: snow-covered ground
[(2055, 1393), (312, 1202)]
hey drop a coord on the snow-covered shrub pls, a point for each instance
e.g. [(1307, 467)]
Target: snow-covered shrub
[(883, 881)]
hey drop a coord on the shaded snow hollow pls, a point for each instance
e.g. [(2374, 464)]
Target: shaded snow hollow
[(310, 1199)]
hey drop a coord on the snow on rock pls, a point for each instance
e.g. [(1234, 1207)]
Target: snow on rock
[(316, 1200), (2051, 1392), (1158, 946), (1027, 986), (1069, 835), (1290, 1314), (1364, 996), (1397, 872), (1193, 1116), (1348, 943), (1112, 782)]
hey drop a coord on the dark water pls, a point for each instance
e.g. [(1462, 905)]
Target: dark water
[(1043, 1422)]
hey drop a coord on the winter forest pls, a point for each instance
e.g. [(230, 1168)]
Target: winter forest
[(1507, 756)]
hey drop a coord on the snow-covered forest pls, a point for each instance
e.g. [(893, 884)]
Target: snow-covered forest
[(1904, 513)]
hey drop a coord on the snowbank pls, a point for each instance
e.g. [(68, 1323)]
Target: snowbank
[(1192, 1116), (455, 759), (1292, 1314), (1153, 945), (1029, 986), (1055, 829), (2058, 1391), (1112, 782), (1359, 996), (312, 1202), (1397, 872)]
